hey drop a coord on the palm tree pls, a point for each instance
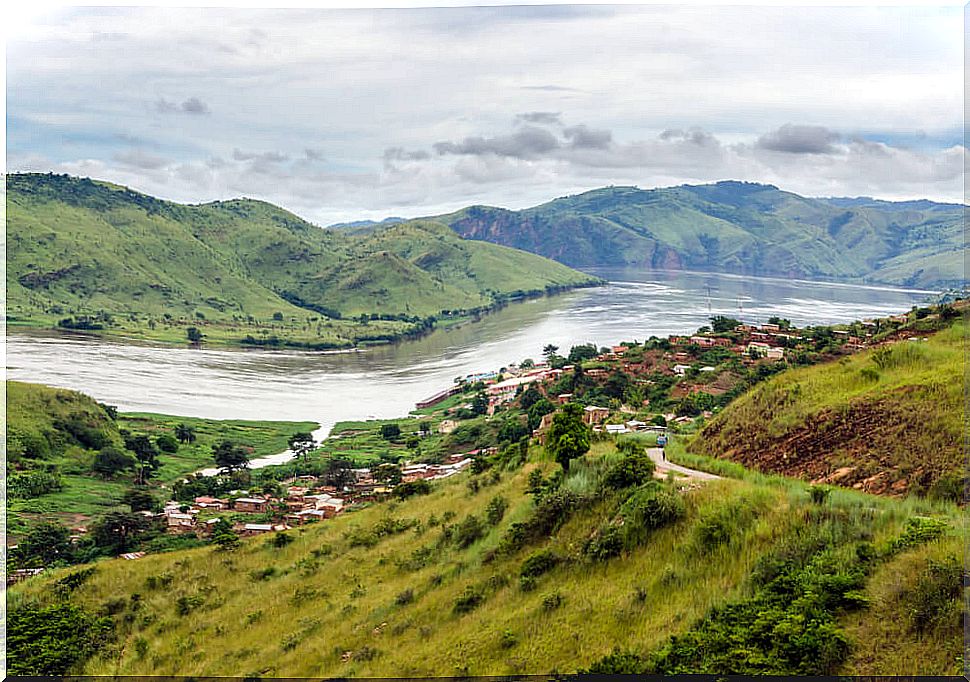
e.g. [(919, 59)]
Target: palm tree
[(184, 433)]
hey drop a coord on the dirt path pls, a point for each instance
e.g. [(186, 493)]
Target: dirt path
[(663, 466)]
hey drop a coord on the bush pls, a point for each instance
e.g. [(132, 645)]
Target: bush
[(30, 484), (935, 598), (167, 443), (470, 599), (496, 510), (538, 563), (405, 597), (53, 640), (281, 540), (552, 601), (636, 468), (469, 531), (412, 488), (819, 494)]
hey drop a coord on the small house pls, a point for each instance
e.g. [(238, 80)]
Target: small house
[(594, 414), (256, 505)]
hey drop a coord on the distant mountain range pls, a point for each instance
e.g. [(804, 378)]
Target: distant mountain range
[(80, 247), (736, 227)]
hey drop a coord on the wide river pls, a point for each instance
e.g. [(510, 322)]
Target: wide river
[(387, 381)]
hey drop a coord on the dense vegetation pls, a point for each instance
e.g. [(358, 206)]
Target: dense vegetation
[(87, 255), (736, 227)]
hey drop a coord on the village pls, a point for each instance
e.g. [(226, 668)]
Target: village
[(707, 362)]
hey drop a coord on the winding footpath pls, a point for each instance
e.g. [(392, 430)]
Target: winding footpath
[(664, 466)]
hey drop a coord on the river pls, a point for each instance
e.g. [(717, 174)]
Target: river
[(387, 381)]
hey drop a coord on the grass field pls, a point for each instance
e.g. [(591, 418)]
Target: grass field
[(378, 592)]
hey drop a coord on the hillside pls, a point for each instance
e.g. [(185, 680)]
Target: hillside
[(887, 420), (70, 458), (735, 227), (600, 570), (89, 255)]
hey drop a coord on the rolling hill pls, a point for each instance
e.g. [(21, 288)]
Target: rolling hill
[(103, 256), (887, 421), (736, 227)]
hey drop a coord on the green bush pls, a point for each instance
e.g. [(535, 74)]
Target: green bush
[(469, 531), (495, 510), (167, 443), (53, 640), (935, 599), (538, 563), (636, 468), (470, 599)]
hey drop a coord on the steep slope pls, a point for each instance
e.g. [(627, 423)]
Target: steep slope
[(735, 227), (886, 421), (84, 249)]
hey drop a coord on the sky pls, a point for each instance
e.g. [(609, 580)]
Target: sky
[(341, 115)]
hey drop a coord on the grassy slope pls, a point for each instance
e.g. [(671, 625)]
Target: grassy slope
[(326, 597), (735, 227), (901, 424), (82, 247), (33, 411)]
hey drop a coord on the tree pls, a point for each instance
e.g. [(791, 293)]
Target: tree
[(119, 531), (302, 444), (529, 397), (339, 473), (111, 461), (390, 431), (229, 456), (480, 403), (167, 443), (424, 427), (586, 351), (569, 436), (539, 409), (46, 544), (780, 321), (138, 499), (52, 640), (388, 473), (185, 434), (146, 454), (512, 431), (721, 324), (194, 335), (549, 350), (528, 363)]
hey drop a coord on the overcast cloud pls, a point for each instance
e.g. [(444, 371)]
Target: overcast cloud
[(342, 115)]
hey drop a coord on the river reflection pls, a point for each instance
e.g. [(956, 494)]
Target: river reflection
[(387, 381)]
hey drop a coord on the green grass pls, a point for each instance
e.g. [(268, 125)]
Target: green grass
[(148, 269), (894, 412), (35, 413), (325, 594)]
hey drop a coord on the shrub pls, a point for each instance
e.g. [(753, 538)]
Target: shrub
[(935, 598), (552, 601), (507, 639), (496, 510), (538, 563), (636, 468), (167, 443), (819, 494), (527, 583), (470, 599), (281, 540), (184, 605), (919, 530), (469, 531), (411, 488), (31, 484), (405, 597), (53, 640)]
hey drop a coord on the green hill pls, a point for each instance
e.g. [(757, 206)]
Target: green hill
[(736, 227), (90, 255), (887, 421), (597, 570), (56, 438)]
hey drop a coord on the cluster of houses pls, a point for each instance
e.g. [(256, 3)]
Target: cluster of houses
[(304, 501)]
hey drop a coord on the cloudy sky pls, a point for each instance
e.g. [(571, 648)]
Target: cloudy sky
[(349, 114)]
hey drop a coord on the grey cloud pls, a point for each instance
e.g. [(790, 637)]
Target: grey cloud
[(139, 158), (193, 105), (696, 136), (800, 139), (540, 117), (313, 154), (265, 157), (582, 136), (402, 154), (527, 142)]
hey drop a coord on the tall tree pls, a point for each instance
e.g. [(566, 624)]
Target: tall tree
[(185, 434), (302, 444), (569, 436), (229, 456)]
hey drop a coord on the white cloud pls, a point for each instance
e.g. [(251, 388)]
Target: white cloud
[(336, 114)]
